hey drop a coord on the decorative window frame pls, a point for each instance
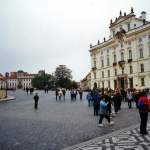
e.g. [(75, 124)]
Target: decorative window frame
[(140, 46)]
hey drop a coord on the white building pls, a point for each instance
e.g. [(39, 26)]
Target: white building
[(124, 59), (17, 80)]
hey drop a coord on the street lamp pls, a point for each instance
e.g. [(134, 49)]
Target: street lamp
[(6, 75)]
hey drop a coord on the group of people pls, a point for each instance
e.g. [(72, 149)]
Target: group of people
[(108, 101), (27, 89), (73, 93)]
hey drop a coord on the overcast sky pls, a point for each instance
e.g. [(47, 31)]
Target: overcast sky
[(43, 34)]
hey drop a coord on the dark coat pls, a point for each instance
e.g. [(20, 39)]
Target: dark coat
[(36, 98)]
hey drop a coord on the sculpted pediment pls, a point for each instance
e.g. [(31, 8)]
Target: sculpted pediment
[(140, 46), (128, 48)]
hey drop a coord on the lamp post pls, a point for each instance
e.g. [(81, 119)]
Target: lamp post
[(6, 75)]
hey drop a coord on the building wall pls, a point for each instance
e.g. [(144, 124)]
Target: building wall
[(111, 47)]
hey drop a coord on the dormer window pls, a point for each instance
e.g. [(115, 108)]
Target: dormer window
[(128, 27), (140, 39)]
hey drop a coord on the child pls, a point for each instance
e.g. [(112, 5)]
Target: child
[(103, 112), (89, 97)]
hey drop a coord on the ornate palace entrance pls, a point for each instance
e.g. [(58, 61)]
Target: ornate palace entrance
[(122, 81)]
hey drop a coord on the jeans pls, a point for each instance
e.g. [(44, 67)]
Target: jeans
[(116, 106), (130, 103)]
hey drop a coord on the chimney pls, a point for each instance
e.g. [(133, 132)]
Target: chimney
[(143, 15)]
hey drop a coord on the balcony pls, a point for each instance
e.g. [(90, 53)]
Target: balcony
[(129, 60), (94, 68), (114, 64), (121, 62)]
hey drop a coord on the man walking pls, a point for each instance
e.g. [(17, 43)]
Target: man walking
[(36, 98), (80, 93)]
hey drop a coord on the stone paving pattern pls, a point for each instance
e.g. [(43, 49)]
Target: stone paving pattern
[(55, 124)]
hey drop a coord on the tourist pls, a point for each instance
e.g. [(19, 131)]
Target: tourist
[(89, 98), (129, 98), (36, 98), (64, 93), (144, 113), (96, 99), (80, 93), (103, 112), (75, 93), (60, 94)]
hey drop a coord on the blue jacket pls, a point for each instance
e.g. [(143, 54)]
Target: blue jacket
[(103, 107), (88, 97), (96, 98)]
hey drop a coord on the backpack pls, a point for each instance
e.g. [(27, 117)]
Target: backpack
[(142, 106)]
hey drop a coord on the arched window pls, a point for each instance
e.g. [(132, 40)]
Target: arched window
[(122, 56), (130, 54), (115, 59)]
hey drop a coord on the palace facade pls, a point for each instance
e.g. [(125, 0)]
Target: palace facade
[(124, 59), (17, 80)]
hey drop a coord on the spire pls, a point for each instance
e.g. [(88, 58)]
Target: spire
[(104, 39), (120, 13), (98, 42), (124, 13), (116, 18)]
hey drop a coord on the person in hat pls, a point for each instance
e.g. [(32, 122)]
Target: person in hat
[(103, 112)]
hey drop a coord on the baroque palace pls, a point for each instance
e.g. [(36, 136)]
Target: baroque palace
[(124, 59), (17, 80)]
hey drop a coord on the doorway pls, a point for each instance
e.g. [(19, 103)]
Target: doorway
[(122, 83)]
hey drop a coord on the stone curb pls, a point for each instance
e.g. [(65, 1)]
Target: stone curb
[(8, 98), (101, 137)]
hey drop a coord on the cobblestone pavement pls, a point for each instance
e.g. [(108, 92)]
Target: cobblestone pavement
[(55, 124)]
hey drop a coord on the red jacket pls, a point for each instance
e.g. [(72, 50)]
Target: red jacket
[(145, 100)]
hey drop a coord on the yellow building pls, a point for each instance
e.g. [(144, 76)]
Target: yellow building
[(124, 59)]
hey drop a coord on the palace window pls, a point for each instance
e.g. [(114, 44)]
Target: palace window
[(103, 84), (130, 54), (108, 84), (129, 43), (102, 61), (115, 71), (102, 74), (122, 70), (108, 73), (140, 39), (131, 69), (115, 60), (142, 67), (94, 55), (107, 51), (95, 64), (149, 36), (122, 56), (102, 53), (142, 82), (94, 75), (128, 27), (107, 61), (141, 53), (121, 45)]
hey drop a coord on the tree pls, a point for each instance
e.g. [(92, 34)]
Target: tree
[(74, 84), (63, 76), (40, 81)]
